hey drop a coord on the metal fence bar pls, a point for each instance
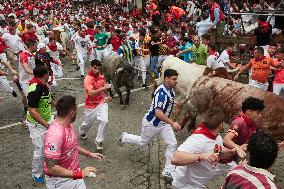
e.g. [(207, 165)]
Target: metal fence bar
[(258, 14)]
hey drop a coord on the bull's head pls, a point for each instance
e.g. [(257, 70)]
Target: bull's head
[(126, 75)]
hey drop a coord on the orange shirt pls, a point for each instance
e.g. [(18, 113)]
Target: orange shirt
[(94, 83), (261, 68)]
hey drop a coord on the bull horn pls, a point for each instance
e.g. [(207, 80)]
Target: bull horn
[(119, 70)]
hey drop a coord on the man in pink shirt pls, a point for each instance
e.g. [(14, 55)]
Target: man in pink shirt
[(61, 150), (278, 83), (95, 104)]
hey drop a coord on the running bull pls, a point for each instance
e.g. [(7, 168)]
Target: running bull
[(117, 70), (201, 92)]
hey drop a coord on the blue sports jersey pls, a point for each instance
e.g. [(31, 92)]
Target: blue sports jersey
[(164, 100)]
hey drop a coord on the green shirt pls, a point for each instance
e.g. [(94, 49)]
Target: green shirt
[(199, 54), (39, 97), (101, 39)]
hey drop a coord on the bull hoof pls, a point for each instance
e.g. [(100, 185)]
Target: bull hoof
[(123, 107)]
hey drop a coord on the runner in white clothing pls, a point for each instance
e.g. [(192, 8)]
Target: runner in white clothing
[(157, 122), (197, 158), (139, 61), (15, 44), (81, 45), (26, 65), (54, 48)]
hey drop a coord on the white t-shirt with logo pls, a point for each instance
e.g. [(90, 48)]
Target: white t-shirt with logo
[(196, 175), (81, 44)]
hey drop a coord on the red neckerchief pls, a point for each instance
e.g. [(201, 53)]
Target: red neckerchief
[(202, 129), (37, 81), (247, 120), (213, 53), (90, 73), (52, 47)]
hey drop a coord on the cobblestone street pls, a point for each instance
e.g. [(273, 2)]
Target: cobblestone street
[(126, 167)]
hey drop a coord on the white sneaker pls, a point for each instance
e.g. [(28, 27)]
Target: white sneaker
[(99, 145), (119, 141), (167, 176)]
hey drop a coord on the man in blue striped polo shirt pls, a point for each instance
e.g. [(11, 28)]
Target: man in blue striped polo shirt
[(157, 122)]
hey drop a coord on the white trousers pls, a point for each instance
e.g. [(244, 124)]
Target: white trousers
[(147, 60), (278, 88), (93, 55), (140, 63), (25, 87), (37, 132), (256, 84), (63, 37), (148, 133), (100, 54), (100, 113), (81, 60), (57, 70), (161, 59), (64, 183), (5, 85)]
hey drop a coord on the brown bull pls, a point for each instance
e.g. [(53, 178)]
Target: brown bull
[(207, 92)]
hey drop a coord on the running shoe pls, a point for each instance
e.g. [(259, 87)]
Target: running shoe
[(38, 180), (119, 141), (167, 176), (99, 145), (84, 136), (145, 86)]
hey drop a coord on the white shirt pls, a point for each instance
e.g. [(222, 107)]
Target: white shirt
[(40, 30), (213, 63), (224, 59), (197, 175), (202, 27), (81, 44), (25, 57), (14, 42), (35, 11)]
